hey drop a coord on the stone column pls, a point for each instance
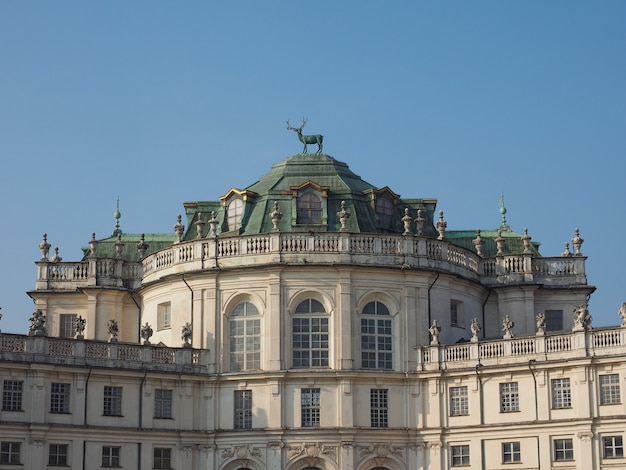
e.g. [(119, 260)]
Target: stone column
[(343, 322), (274, 335)]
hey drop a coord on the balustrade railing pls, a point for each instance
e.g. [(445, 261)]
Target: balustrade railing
[(370, 249), (117, 355), (589, 343)]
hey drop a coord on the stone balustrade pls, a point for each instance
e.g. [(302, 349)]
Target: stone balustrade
[(21, 348), (562, 346), (381, 250)]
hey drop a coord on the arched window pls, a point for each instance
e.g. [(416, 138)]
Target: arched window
[(309, 209), (235, 211), (384, 212), (376, 337), (245, 337), (309, 335)]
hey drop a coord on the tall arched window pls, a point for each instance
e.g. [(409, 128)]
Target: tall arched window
[(245, 337), (309, 335), (235, 211), (376, 337), (309, 208)]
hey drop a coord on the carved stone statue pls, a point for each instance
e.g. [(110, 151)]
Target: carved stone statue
[(582, 319), (186, 335), (307, 139), (434, 330), (146, 333), (407, 220), (507, 327), (113, 329), (37, 325), (79, 327), (541, 324), (475, 329), (621, 312)]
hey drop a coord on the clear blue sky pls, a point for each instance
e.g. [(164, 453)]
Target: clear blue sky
[(165, 102)]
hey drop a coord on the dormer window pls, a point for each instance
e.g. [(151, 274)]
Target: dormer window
[(309, 209), (384, 213), (234, 211)]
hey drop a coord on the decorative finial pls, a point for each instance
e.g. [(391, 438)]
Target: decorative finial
[(276, 215), (119, 246), (213, 224), (118, 216), (56, 258), (93, 244), (179, 229), (566, 252), (475, 329), (44, 246), (419, 223), (441, 226), (503, 225), (200, 226), (79, 327), (500, 243), (142, 246), (577, 242), (146, 333), (113, 329), (186, 335), (343, 216)]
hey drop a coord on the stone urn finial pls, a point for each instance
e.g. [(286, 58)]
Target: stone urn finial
[(343, 216), (44, 246), (276, 215), (93, 245), (577, 242), (213, 224), (500, 243), (179, 229), (119, 247), (441, 226), (200, 226), (142, 246), (566, 253)]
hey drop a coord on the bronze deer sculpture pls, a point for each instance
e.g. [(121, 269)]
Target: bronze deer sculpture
[(307, 139)]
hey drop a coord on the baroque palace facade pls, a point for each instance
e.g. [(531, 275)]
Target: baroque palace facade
[(313, 321)]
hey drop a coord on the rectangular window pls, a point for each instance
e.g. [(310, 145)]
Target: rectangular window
[(12, 395), (460, 455), (612, 447), (10, 452), (310, 407), (57, 455), (111, 456), (511, 452), (162, 457), (67, 325), (459, 404), (164, 316), (509, 397), (162, 403), (112, 401), (59, 398), (243, 409), (456, 313), (609, 389), (561, 393), (563, 449), (554, 320), (379, 408), (310, 342)]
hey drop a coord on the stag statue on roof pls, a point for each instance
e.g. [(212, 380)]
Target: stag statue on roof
[(307, 139)]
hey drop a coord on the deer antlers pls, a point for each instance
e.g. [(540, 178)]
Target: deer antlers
[(304, 120)]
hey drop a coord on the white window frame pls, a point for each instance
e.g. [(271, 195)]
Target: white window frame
[(459, 401), (164, 316), (609, 389), (379, 408), (310, 336), (561, 393), (162, 457), (58, 455), (563, 449), (112, 401), (376, 337), (243, 409), (511, 452), (310, 407), (10, 452), (163, 403), (509, 397), (12, 395), (244, 328), (67, 325), (60, 397), (111, 456), (460, 455), (612, 447)]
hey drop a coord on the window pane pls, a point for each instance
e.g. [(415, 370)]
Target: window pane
[(12, 395), (59, 398), (310, 407)]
